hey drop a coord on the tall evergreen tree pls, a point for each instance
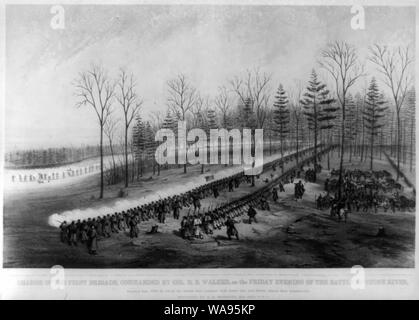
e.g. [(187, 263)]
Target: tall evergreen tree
[(314, 98), (327, 118), (247, 115), (138, 141), (169, 122), (374, 110), (281, 117), (209, 122), (350, 123), (211, 119), (410, 110)]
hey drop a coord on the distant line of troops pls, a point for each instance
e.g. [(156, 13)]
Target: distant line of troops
[(88, 231), (41, 177)]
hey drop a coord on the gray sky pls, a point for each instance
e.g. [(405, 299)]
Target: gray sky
[(209, 44)]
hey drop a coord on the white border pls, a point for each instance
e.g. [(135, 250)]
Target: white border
[(35, 283)]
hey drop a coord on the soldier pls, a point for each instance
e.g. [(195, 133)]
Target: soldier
[(133, 232), (264, 204), (281, 187), (83, 232), (114, 223), (215, 191), (236, 182), (162, 213), (326, 185), (296, 191), (64, 232), (252, 214), (92, 241), (184, 227), (345, 214), (231, 229), (98, 226), (230, 185), (106, 226), (206, 223), (386, 205), (197, 222), (319, 202), (176, 209), (72, 233), (375, 203), (301, 189), (275, 194), (333, 209), (196, 203), (392, 205), (121, 221)]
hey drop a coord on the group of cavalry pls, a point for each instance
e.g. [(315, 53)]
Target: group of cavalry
[(365, 191)]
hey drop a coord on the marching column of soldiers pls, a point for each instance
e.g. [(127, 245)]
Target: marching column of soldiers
[(194, 224)]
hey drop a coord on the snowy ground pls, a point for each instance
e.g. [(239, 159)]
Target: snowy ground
[(292, 234), (168, 188)]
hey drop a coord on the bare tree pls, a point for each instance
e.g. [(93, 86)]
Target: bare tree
[(156, 118), (109, 130), (341, 60), (198, 111), (393, 64), (223, 104), (93, 88), (131, 105), (254, 86), (182, 97)]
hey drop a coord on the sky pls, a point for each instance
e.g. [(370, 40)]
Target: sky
[(209, 44)]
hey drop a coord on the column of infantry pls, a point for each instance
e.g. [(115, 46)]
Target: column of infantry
[(198, 221)]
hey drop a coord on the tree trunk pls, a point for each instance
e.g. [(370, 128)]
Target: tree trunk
[(342, 150), (282, 154), (404, 142), (363, 140), (315, 141), (270, 142), (371, 146), (101, 162), (328, 155), (411, 143), (113, 178), (296, 157), (126, 156), (398, 143), (381, 143)]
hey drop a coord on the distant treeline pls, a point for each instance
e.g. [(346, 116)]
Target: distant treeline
[(52, 157)]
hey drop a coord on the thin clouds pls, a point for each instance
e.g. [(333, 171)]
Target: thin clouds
[(210, 44)]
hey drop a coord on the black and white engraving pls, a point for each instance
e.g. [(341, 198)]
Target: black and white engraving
[(209, 136)]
